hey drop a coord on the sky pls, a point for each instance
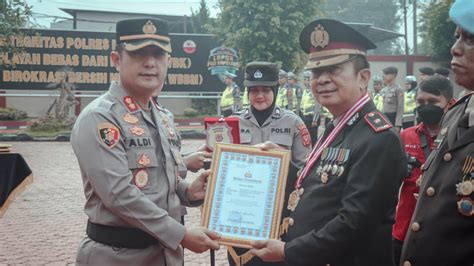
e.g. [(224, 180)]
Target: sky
[(47, 11)]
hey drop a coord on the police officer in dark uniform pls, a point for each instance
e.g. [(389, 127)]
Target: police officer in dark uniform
[(344, 199), (442, 227), (265, 121)]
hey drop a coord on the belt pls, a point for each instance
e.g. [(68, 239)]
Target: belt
[(120, 237)]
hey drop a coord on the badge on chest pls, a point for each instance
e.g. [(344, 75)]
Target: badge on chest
[(465, 188)]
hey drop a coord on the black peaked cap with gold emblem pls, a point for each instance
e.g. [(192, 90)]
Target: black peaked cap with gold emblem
[(330, 42), (259, 73), (137, 33)]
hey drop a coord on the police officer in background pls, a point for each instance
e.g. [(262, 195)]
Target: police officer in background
[(297, 92), (282, 97), (230, 99), (310, 108), (377, 96), (393, 97), (342, 204), (265, 121), (443, 72), (425, 73), (129, 166), (441, 229), (433, 99), (410, 101)]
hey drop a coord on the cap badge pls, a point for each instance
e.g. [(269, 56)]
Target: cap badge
[(319, 37), (257, 74), (149, 28)]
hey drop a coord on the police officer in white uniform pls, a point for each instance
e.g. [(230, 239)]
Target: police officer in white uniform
[(130, 164), (264, 121)]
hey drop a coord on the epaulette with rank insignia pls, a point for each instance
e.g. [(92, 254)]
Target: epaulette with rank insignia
[(377, 121), (461, 100)]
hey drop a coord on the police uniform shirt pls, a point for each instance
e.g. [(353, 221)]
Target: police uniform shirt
[(441, 229), (394, 99), (347, 218), (282, 127), (129, 166)]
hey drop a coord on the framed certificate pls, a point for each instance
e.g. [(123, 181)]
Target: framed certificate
[(245, 193)]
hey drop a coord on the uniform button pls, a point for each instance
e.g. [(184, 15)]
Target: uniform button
[(447, 157), (406, 263), (443, 131), (415, 227), (430, 191)]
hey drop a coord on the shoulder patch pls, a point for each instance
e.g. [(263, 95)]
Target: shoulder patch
[(377, 121), (305, 137), (108, 134)]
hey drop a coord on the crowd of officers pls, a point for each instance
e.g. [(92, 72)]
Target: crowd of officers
[(365, 192)]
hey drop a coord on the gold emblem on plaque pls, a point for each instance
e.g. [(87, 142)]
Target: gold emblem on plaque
[(149, 28), (319, 37)]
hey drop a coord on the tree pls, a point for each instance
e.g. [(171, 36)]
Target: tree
[(437, 30), (265, 30), (13, 16), (201, 19), (382, 14)]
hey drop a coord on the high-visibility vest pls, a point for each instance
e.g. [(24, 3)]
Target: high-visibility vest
[(245, 99), (307, 103), (227, 99), (378, 101), (410, 102), (282, 98)]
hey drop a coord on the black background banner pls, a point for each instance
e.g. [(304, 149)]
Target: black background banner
[(84, 56)]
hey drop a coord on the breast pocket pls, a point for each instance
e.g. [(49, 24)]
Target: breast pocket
[(144, 165), (284, 140), (391, 97), (245, 138)]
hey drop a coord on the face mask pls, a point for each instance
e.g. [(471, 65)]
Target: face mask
[(430, 114)]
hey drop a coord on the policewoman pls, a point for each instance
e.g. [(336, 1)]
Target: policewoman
[(441, 229), (230, 99), (343, 202), (410, 101), (129, 159), (264, 121)]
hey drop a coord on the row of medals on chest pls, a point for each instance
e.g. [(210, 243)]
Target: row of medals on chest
[(331, 163), (465, 188)]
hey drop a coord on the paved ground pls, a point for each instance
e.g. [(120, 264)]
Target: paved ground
[(44, 225)]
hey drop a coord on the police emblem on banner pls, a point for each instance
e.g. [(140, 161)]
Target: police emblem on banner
[(108, 134)]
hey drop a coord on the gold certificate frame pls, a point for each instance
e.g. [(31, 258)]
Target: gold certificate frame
[(245, 193)]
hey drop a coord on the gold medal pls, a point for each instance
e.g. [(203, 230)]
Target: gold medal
[(324, 178), (464, 188), (294, 199)]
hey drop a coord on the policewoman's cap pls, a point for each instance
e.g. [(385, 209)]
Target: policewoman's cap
[(377, 80), (307, 74), (410, 79), (137, 33), (330, 42), (427, 71), (259, 73), (390, 70), (282, 74), (291, 76), (462, 13)]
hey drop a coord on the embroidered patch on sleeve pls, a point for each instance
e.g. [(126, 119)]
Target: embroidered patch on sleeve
[(108, 134), (304, 135)]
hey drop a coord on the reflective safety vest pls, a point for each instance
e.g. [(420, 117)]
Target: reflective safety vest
[(227, 99), (410, 102), (308, 103), (282, 98), (245, 98), (378, 101)]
